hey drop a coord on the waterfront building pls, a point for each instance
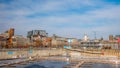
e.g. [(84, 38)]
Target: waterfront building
[(87, 43), (20, 41), (74, 42), (90, 44), (111, 38), (99, 43), (4, 37), (58, 41), (117, 36), (111, 43), (106, 44), (47, 42), (38, 37), (2, 40)]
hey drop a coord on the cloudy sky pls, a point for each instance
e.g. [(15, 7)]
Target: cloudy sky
[(66, 18)]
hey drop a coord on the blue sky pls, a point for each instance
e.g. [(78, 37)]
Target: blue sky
[(66, 18)]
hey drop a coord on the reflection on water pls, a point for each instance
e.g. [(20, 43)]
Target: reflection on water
[(59, 64), (100, 65), (47, 64), (96, 65), (36, 66)]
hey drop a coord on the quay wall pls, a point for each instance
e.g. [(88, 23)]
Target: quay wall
[(9, 54), (95, 53)]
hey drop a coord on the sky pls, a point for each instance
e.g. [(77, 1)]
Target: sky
[(65, 18)]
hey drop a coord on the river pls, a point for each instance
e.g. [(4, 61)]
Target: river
[(58, 64)]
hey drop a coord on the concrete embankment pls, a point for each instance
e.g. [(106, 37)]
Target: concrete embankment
[(26, 55), (9, 54)]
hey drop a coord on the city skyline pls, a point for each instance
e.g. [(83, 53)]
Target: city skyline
[(67, 18)]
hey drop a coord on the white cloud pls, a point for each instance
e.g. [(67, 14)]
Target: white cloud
[(104, 20)]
